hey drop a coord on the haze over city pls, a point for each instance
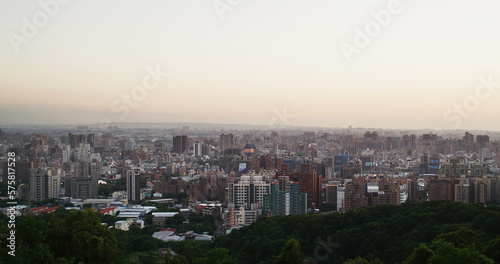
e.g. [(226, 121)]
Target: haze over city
[(251, 61), (243, 132)]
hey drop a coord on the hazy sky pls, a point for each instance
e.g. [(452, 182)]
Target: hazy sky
[(399, 64)]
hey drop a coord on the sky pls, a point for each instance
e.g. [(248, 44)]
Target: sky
[(384, 64)]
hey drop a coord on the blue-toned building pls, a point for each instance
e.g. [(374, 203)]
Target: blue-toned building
[(338, 162), (290, 163), (286, 200)]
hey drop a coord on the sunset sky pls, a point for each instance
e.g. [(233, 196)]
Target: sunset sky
[(241, 62)]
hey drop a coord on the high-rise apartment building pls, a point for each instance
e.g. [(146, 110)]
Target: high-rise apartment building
[(180, 144), (468, 142), (82, 187), (45, 183), (309, 183), (211, 186), (248, 192), (75, 140), (226, 142), (197, 149), (472, 190), (348, 171), (477, 169), (355, 195), (413, 193), (363, 192), (338, 162), (482, 140), (91, 139), (83, 184), (170, 185), (289, 202), (455, 167), (341, 198), (462, 192), (478, 190), (441, 189), (386, 193), (331, 193), (284, 184), (86, 169), (133, 185)]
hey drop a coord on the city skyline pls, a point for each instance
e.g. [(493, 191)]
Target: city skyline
[(284, 63)]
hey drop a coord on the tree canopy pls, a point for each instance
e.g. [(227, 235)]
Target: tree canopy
[(427, 232)]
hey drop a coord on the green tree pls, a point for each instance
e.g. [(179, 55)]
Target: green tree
[(387, 232), (462, 238), (360, 260), (176, 220), (443, 252), (61, 212), (109, 219), (446, 253), (357, 260), (216, 256), (144, 181), (105, 190), (420, 255), (177, 259), (148, 257), (190, 249), (181, 197), (290, 253), (145, 244), (148, 220), (30, 240), (492, 250), (327, 208), (82, 236)]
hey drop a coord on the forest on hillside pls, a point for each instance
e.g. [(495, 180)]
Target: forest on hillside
[(387, 233), (427, 232)]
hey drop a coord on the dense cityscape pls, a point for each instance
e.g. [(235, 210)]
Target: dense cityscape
[(249, 132), (201, 184)]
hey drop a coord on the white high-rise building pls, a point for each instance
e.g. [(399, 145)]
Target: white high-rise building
[(248, 192), (45, 183), (66, 154), (197, 149), (340, 197)]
